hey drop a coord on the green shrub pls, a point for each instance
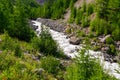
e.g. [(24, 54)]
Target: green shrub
[(112, 50), (109, 40), (6, 60), (8, 43), (50, 64), (91, 35), (35, 42), (18, 51), (85, 22), (80, 33), (116, 34), (96, 48), (12, 69), (46, 44), (86, 68), (100, 26), (73, 15), (90, 9)]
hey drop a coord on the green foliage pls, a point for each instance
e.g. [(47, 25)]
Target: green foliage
[(100, 26), (109, 40), (13, 68), (96, 48), (50, 64), (80, 33), (84, 6), (85, 22), (116, 34), (18, 51), (8, 43), (46, 44), (112, 50), (90, 9), (55, 9), (35, 42), (79, 16), (73, 15), (86, 68), (101, 8), (14, 20), (6, 61)]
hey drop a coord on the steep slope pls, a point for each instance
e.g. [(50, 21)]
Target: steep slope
[(77, 4)]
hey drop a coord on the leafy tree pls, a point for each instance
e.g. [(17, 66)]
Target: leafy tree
[(18, 24), (101, 8)]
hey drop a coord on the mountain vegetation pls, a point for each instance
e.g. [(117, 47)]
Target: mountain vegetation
[(24, 56)]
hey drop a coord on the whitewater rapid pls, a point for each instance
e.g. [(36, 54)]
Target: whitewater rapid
[(71, 50)]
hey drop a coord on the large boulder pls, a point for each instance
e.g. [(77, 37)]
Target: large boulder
[(74, 40)]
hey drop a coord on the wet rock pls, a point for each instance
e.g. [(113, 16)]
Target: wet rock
[(74, 40), (103, 40)]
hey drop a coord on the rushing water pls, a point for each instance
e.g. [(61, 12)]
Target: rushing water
[(70, 50)]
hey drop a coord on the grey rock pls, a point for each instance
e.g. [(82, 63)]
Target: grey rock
[(116, 58), (74, 40), (103, 40), (0, 52), (0, 40), (55, 25), (105, 49)]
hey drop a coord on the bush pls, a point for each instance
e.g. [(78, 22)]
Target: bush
[(100, 26), (18, 51), (6, 60), (116, 34), (12, 68), (46, 44), (112, 50), (35, 42), (8, 43), (90, 9), (80, 33), (85, 22), (109, 40), (86, 68), (50, 64)]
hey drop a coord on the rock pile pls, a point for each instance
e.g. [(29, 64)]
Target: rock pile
[(55, 25)]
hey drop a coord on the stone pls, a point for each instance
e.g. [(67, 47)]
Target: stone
[(74, 40), (104, 49), (0, 52), (39, 71), (118, 43), (0, 40), (103, 40), (70, 35), (116, 58)]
